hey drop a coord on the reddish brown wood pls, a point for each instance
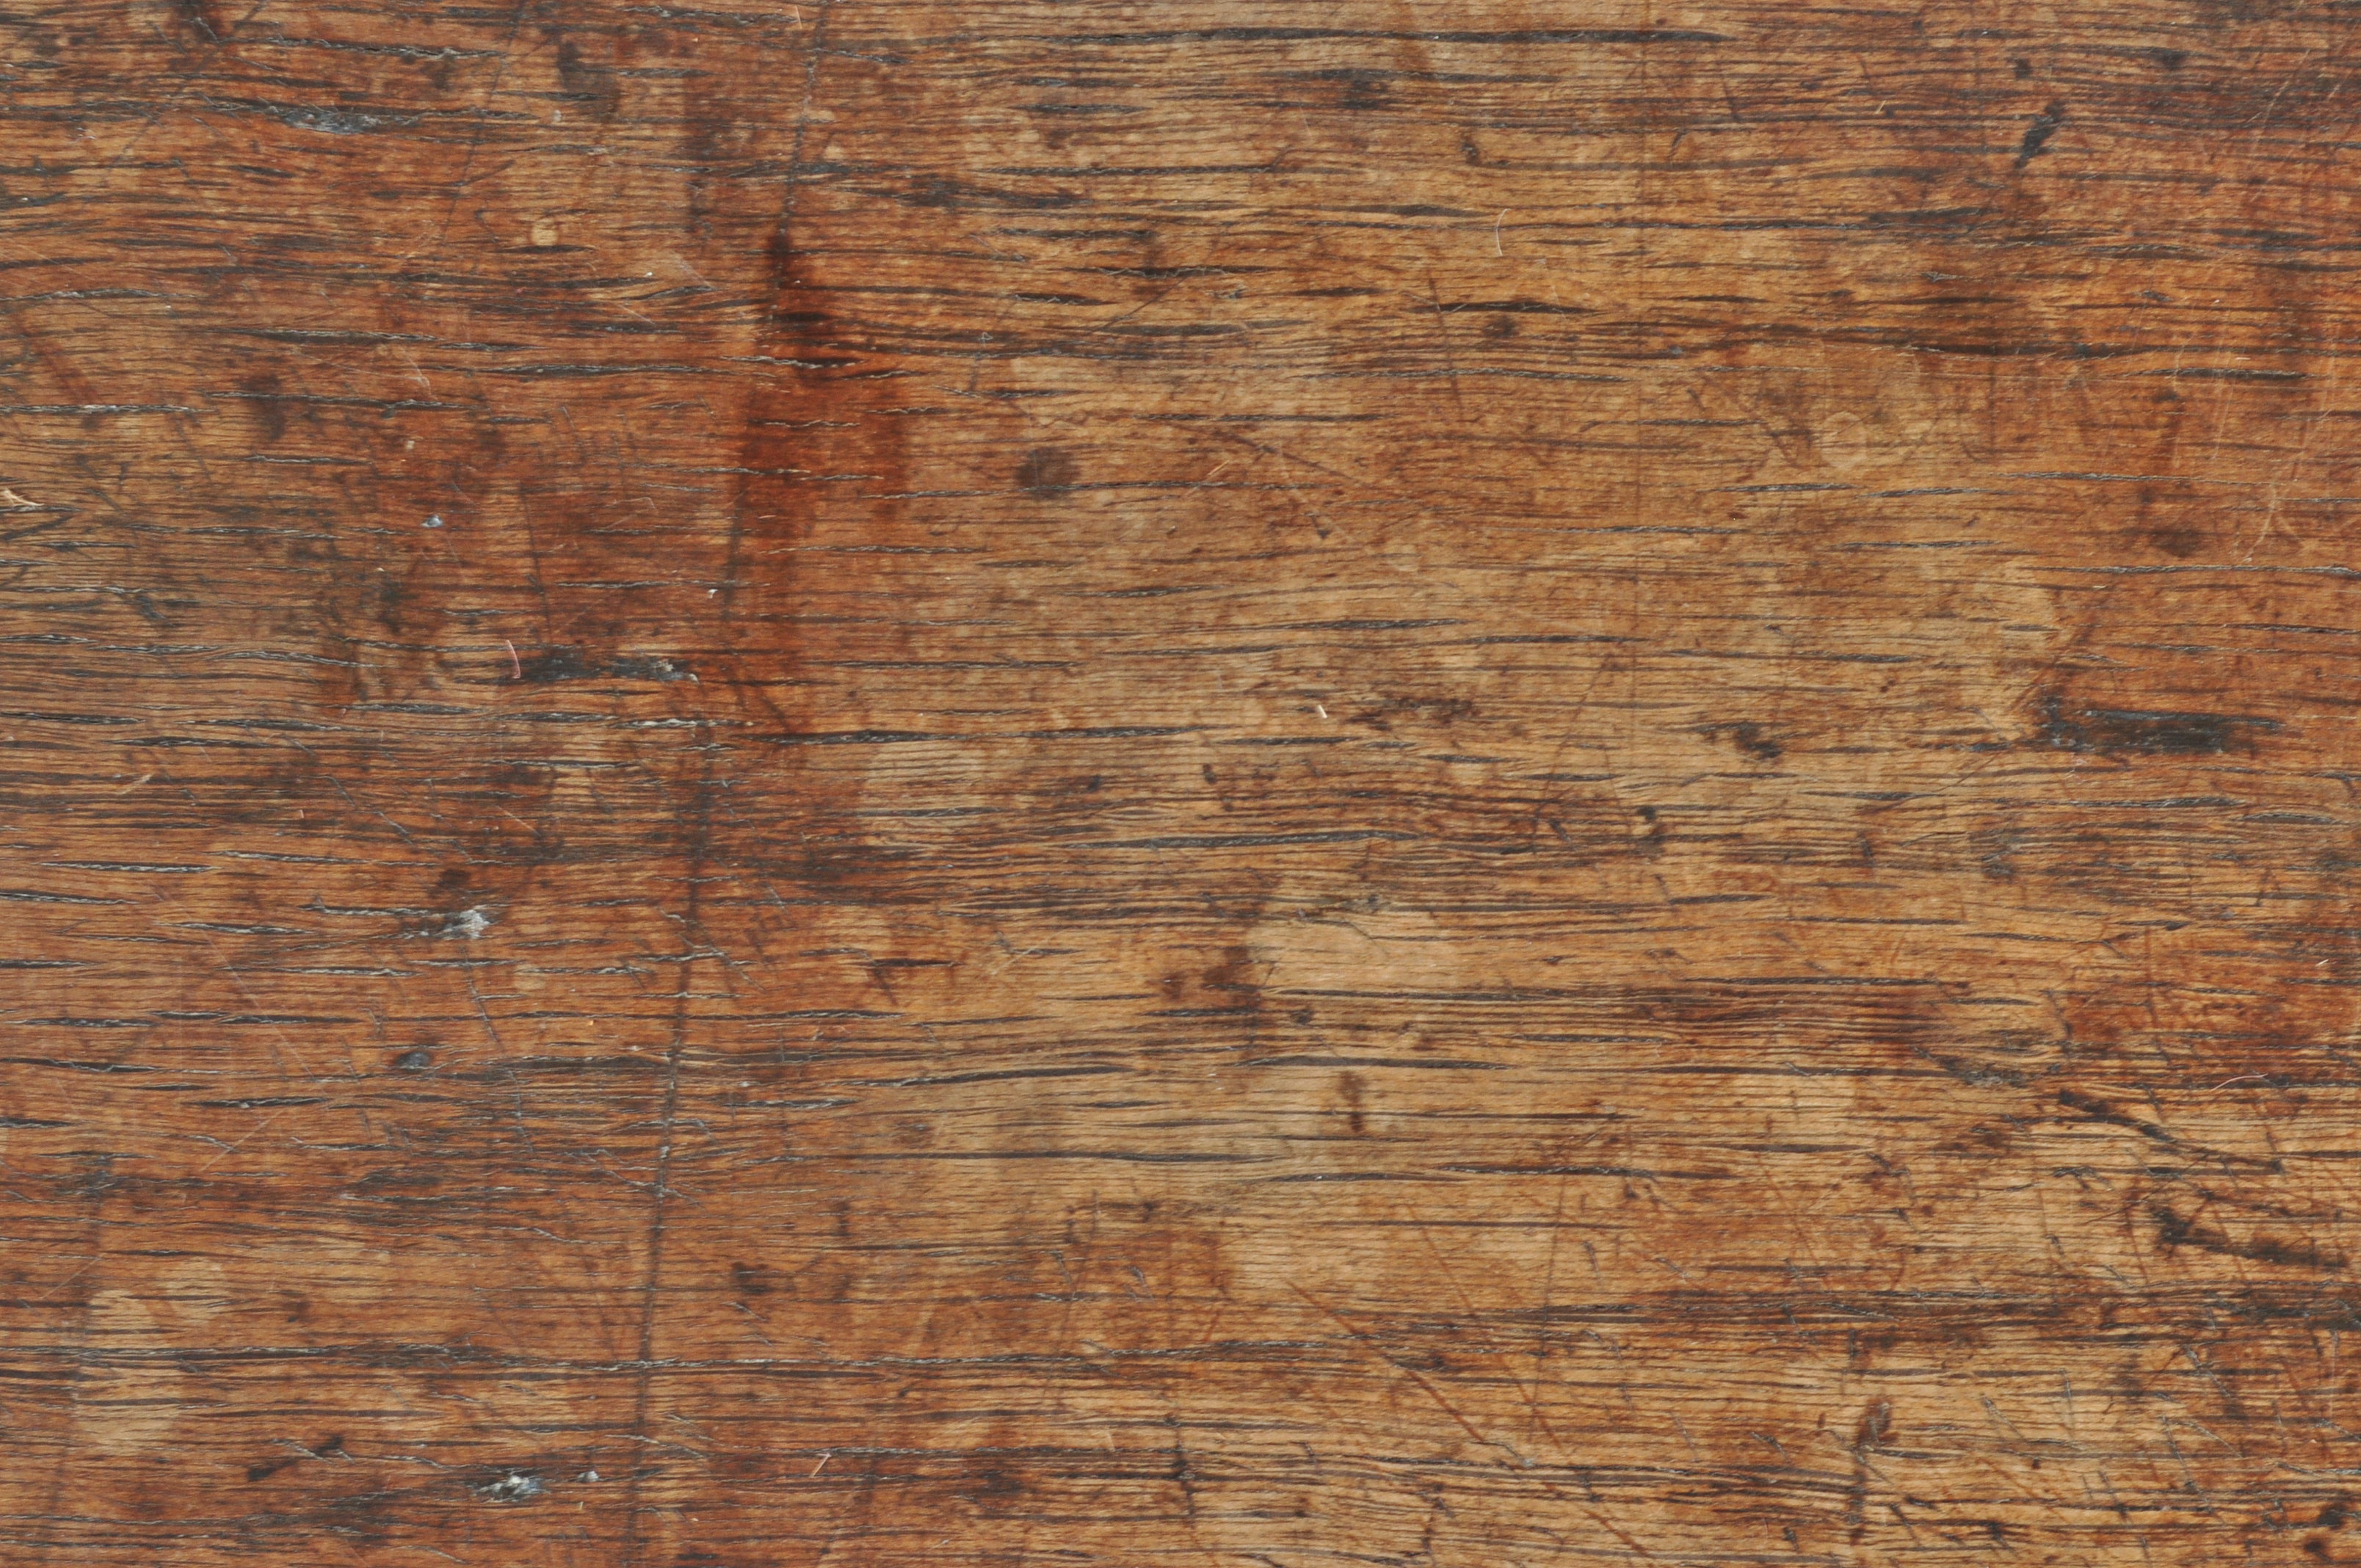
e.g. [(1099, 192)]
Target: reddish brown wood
[(1082, 782)]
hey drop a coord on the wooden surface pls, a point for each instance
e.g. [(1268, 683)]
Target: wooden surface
[(1078, 783)]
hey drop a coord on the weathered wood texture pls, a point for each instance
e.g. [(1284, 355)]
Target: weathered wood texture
[(1084, 782)]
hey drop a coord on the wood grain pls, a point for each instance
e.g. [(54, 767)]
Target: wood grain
[(1075, 781)]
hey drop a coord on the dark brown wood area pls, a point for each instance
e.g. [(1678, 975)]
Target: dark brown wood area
[(1341, 784)]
